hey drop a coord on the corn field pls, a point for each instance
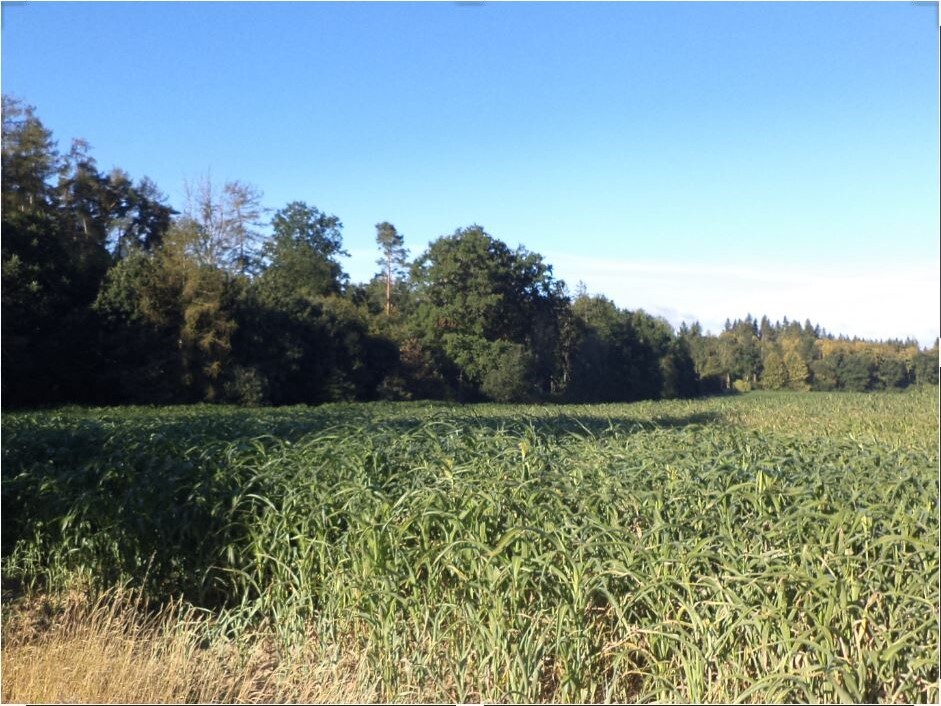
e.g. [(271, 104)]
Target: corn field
[(766, 547)]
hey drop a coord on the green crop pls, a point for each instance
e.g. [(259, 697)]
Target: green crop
[(770, 547)]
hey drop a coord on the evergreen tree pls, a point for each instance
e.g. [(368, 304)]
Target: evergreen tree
[(394, 257), (51, 269), (30, 159)]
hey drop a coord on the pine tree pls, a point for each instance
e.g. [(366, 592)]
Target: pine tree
[(394, 257)]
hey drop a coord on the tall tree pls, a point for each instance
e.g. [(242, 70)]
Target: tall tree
[(147, 220), (301, 258), (925, 366), (89, 200), (472, 283), (244, 213), (707, 359), (678, 370), (472, 290), (52, 269), (394, 257), (30, 159), (855, 371), (227, 222)]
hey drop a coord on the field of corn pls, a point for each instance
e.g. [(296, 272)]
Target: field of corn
[(765, 547)]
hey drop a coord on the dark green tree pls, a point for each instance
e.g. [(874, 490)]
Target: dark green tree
[(622, 356), (301, 258), (471, 290), (708, 360), (299, 340), (678, 370), (925, 368), (855, 372), (509, 377), (30, 159), (146, 221), (825, 373), (744, 350), (51, 269), (139, 309), (891, 374)]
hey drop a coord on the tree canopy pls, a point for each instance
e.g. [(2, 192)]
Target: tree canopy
[(110, 295)]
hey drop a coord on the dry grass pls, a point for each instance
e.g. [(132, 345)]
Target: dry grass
[(116, 650)]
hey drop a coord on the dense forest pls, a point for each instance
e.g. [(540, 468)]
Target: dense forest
[(112, 296)]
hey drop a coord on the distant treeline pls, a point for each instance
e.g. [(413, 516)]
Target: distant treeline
[(110, 296)]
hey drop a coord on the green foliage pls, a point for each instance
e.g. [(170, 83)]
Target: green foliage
[(310, 350), (825, 374), (742, 352), (247, 387), (774, 372), (51, 273), (471, 290), (146, 219), (797, 371), (207, 330), (301, 256), (771, 548), (678, 371), (510, 376), (302, 341), (29, 159), (926, 367), (623, 355), (140, 318), (168, 317), (709, 359), (91, 204), (801, 358), (855, 372), (470, 283), (891, 373)]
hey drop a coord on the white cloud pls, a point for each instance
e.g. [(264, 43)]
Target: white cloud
[(870, 302)]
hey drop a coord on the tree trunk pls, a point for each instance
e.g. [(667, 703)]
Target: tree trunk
[(388, 285)]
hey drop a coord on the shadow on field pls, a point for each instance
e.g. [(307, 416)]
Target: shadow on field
[(551, 425), (72, 441), (163, 494)]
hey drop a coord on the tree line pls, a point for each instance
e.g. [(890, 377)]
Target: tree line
[(112, 296), (750, 354)]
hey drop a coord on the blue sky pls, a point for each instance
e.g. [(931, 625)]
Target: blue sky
[(697, 160)]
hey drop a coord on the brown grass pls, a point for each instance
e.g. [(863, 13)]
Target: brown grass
[(116, 649)]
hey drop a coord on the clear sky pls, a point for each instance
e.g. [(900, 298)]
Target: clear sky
[(697, 160)]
